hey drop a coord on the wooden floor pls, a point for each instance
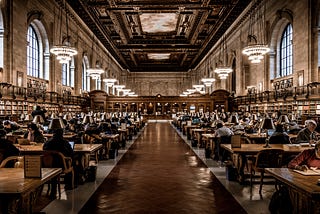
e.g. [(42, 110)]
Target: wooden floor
[(161, 174)]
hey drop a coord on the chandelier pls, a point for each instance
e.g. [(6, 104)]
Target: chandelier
[(256, 46), (222, 69), (198, 87), (109, 81), (208, 81), (95, 73), (64, 52), (256, 52)]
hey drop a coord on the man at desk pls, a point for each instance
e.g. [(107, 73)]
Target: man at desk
[(306, 159), (307, 134), (7, 148), (57, 143)]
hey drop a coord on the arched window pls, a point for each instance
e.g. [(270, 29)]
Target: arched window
[(33, 53), (38, 55), (286, 52), (68, 74), (85, 76)]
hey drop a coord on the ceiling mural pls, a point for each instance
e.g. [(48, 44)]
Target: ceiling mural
[(158, 35)]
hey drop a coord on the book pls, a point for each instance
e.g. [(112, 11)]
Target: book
[(308, 172)]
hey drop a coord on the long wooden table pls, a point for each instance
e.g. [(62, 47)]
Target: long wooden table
[(245, 150), (83, 151), (303, 189), (19, 193)]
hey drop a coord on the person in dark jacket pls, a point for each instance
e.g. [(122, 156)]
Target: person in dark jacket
[(307, 134), (279, 136), (34, 134), (58, 143), (7, 149)]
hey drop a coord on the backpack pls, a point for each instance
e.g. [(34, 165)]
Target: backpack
[(280, 202)]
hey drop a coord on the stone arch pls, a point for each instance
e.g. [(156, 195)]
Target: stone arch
[(284, 17)]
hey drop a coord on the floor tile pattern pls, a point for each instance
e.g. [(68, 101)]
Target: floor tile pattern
[(161, 174)]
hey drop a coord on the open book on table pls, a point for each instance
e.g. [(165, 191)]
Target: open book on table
[(309, 172)]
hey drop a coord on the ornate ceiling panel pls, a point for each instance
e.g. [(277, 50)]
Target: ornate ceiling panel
[(158, 35)]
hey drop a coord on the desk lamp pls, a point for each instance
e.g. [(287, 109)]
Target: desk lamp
[(266, 124), (28, 117), (67, 117), (283, 119), (38, 119), (56, 123), (87, 119), (234, 119)]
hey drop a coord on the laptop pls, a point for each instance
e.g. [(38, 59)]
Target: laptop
[(71, 144)]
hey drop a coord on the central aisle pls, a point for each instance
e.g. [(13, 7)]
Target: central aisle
[(161, 174)]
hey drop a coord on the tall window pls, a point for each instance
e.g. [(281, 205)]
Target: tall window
[(33, 53), (85, 77), (68, 74), (286, 52)]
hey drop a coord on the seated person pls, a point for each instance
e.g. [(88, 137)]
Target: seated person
[(294, 128), (307, 134), (223, 133), (279, 136), (58, 143), (238, 128), (10, 126), (72, 126), (34, 134), (306, 159), (7, 148)]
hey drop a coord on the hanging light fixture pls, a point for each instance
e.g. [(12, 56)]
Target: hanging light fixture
[(64, 52), (198, 87), (256, 47), (95, 73), (222, 69), (208, 81)]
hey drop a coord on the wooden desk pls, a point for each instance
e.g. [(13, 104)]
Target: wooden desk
[(304, 191), (82, 151), (240, 154), (20, 193), (65, 136), (257, 138), (108, 140), (187, 130)]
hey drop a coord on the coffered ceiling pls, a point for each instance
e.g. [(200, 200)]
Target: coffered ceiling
[(158, 35)]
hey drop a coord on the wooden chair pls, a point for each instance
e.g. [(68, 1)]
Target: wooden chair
[(12, 162), (55, 159), (266, 158)]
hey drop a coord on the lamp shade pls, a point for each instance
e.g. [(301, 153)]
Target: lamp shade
[(56, 123), (38, 119), (28, 117), (267, 123), (283, 119), (87, 119), (234, 119), (67, 117), (254, 117)]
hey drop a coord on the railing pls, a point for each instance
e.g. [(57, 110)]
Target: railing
[(283, 90), (9, 91)]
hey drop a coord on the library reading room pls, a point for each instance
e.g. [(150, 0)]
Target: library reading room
[(159, 107)]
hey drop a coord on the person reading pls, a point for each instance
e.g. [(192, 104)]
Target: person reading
[(307, 159)]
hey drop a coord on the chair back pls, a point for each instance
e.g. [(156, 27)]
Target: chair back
[(225, 139), (269, 158), (13, 162), (55, 159)]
